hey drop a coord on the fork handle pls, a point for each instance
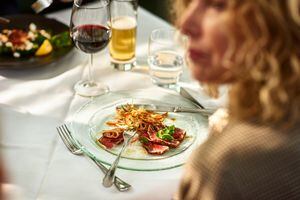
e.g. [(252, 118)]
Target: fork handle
[(110, 175), (119, 183)]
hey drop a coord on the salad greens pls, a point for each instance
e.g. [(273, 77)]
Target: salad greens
[(166, 133), (61, 40), (38, 42)]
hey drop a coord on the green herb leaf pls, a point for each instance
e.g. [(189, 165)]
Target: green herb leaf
[(166, 131), (5, 50), (39, 39), (167, 137), (144, 140), (159, 133), (61, 40), (172, 128)]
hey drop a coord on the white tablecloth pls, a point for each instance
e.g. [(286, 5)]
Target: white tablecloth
[(33, 102)]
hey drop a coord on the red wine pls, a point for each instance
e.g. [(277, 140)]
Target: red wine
[(91, 38)]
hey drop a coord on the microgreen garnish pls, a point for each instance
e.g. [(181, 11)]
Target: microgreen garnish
[(144, 140), (167, 137), (166, 133)]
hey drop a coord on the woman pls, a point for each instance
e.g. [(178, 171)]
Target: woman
[(253, 45)]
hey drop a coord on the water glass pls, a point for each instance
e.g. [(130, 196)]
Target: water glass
[(166, 57)]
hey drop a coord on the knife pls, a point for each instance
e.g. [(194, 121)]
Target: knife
[(174, 109)]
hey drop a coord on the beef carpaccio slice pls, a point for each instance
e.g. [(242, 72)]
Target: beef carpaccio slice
[(178, 136), (111, 138), (152, 143), (153, 138), (153, 148)]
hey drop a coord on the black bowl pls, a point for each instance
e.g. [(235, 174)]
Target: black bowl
[(22, 22)]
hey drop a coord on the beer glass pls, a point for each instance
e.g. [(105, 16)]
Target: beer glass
[(123, 38)]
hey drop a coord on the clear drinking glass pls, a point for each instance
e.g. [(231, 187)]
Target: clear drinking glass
[(166, 57), (89, 29), (123, 40)]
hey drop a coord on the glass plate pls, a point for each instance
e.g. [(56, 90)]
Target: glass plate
[(89, 121)]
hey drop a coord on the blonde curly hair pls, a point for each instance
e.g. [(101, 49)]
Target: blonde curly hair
[(266, 63)]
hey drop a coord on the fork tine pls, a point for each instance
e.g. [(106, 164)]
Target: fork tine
[(64, 126), (68, 133), (70, 140), (63, 138), (66, 136)]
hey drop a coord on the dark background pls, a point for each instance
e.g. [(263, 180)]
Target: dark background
[(157, 7), (160, 8)]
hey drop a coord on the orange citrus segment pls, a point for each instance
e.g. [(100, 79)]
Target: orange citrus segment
[(44, 49)]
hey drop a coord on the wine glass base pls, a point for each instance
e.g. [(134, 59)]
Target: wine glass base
[(90, 88)]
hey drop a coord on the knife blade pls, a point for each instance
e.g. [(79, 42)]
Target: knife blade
[(169, 108)]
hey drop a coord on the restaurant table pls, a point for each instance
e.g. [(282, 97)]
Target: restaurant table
[(33, 102)]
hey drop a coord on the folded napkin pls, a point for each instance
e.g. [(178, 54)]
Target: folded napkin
[(199, 96)]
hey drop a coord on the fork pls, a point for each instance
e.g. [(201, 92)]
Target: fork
[(110, 174), (69, 141)]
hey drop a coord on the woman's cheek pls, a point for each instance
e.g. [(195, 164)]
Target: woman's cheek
[(200, 74)]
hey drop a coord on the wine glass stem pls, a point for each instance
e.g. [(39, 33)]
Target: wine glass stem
[(90, 73)]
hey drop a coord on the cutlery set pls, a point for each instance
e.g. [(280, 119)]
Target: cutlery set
[(71, 145)]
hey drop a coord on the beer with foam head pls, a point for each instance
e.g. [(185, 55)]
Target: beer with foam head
[(123, 40)]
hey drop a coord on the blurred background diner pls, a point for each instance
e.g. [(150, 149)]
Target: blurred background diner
[(253, 47)]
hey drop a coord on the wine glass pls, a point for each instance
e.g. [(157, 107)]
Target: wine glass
[(89, 29)]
